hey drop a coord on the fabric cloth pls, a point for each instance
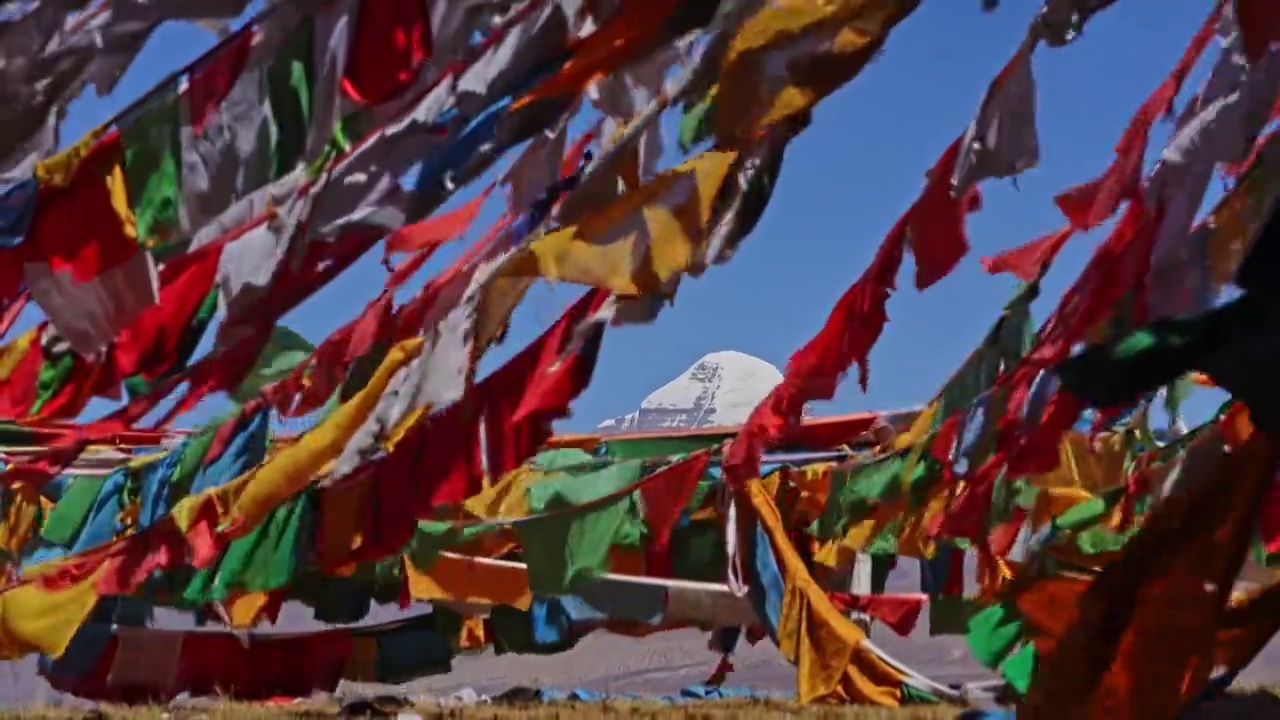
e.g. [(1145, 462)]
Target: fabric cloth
[(362, 666), (651, 447), (284, 350), (17, 208), (246, 449), (666, 495), (152, 166), (826, 647), (69, 515), (267, 558), (81, 259), (1002, 140), (752, 95), (457, 579), (122, 567), (223, 121), (642, 240), (564, 548), (265, 668), (146, 660), (899, 612), (950, 615), (164, 336), (1089, 204), (627, 35), (541, 630), (92, 644), (24, 510), (1260, 24), (387, 50), (170, 479), (36, 620), (522, 399), (412, 651), (103, 522), (1150, 592)]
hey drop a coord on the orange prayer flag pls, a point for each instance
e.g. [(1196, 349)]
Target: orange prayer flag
[(1143, 636), (1202, 380), (621, 39), (790, 54)]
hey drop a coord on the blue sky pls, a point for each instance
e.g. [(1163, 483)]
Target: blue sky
[(844, 183)]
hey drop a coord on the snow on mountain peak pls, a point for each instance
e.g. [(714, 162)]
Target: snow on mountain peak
[(721, 388)]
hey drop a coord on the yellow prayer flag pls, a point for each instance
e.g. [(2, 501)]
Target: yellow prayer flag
[(1235, 221), (34, 619), (832, 659), (248, 499), (22, 516), (791, 54), (1084, 465), (15, 350), (637, 243), (57, 169)]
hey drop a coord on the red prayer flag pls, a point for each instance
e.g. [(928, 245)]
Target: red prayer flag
[(1259, 22), (667, 492), (209, 82), (148, 346), (1028, 262), (388, 48), (936, 233), (899, 612), (436, 230), (1090, 204)]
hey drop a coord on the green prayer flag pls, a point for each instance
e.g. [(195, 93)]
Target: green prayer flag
[(284, 351), (266, 559), (1019, 668), (565, 547), (886, 541), (435, 536), (857, 490), (912, 695), (697, 552), (571, 459), (656, 447), (993, 633), (1090, 512), (152, 166), (697, 124), (950, 615), (1101, 539), (289, 81), (1159, 353), (191, 461), (53, 377), (72, 509)]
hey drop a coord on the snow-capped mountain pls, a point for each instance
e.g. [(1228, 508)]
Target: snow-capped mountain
[(720, 389)]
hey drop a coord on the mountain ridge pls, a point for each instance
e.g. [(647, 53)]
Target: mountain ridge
[(719, 389)]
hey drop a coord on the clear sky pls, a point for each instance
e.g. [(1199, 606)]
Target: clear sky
[(844, 183)]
